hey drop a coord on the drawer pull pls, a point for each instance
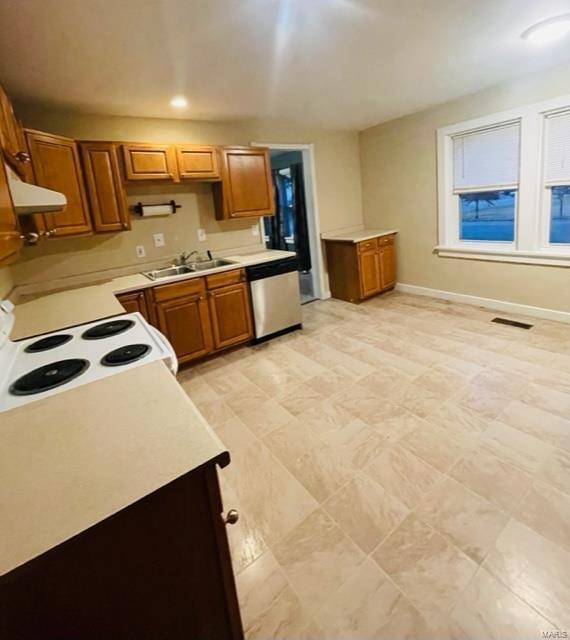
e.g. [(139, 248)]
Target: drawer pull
[(232, 517)]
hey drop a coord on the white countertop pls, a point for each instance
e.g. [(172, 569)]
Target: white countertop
[(357, 236)]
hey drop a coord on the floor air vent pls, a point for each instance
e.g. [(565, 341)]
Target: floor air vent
[(512, 323)]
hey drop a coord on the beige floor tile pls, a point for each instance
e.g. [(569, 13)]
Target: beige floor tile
[(245, 399), (547, 511), (403, 475), (365, 512), (369, 606), (224, 382), (383, 379), (438, 447), (216, 411), (264, 417), (534, 569), (317, 558), (430, 571), (443, 380), (549, 399), (487, 610), (469, 521), (454, 419), (274, 499), (536, 422), (482, 401), (359, 402), (269, 607), (419, 400), (493, 478), (316, 465), (299, 399), (394, 422), (356, 442), (556, 470), (516, 447)]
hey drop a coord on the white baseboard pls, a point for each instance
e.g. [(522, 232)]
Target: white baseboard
[(489, 303)]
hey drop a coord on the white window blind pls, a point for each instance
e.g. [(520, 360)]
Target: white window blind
[(487, 158), (557, 151)]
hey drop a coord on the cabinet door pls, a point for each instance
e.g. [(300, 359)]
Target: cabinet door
[(150, 162), (12, 138), (231, 315), (185, 322), (10, 241), (133, 302), (388, 266), (246, 189), (369, 272), (56, 165), (198, 162), (105, 189)]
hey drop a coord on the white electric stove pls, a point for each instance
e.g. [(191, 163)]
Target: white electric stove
[(51, 363)]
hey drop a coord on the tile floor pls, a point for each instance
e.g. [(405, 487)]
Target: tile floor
[(402, 470)]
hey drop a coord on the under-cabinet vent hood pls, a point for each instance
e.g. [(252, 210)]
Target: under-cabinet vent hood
[(29, 198)]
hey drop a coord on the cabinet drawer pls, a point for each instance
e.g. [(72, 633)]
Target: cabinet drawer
[(194, 286), (368, 245), (225, 278), (384, 240)]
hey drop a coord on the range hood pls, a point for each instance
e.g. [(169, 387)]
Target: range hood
[(29, 198)]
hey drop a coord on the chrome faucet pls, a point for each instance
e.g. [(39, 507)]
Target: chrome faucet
[(184, 258)]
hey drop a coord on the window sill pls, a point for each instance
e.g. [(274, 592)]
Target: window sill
[(549, 258)]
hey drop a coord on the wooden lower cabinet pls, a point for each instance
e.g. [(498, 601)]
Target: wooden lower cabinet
[(185, 321), (360, 270), (230, 312), (134, 301), (159, 568)]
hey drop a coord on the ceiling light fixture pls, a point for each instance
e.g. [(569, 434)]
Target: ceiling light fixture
[(179, 102), (548, 30)]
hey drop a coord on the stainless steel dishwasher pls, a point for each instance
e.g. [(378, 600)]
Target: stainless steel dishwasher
[(275, 297)]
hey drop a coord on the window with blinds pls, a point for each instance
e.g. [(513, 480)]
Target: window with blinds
[(557, 176), (487, 159)]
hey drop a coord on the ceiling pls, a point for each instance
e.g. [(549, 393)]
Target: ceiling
[(332, 63)]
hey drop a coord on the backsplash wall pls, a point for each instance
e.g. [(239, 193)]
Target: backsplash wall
[(62, 258)]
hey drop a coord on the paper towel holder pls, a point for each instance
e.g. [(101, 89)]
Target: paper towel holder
[(138, 208)]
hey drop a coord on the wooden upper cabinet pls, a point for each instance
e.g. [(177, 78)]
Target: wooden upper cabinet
[(150, 161), (55, 162), (246, 189), (104, 185), (12, 138), (231, 315), (10, 241), (198, 162)]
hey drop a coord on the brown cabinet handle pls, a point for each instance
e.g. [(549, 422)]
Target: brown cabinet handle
[(232, 517), (22, 156)]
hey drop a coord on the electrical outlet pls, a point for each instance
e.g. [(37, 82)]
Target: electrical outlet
[(158, 239), (141, 251), (202, 235), (254, 229)]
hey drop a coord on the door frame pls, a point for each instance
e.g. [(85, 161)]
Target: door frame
[(313, 219)]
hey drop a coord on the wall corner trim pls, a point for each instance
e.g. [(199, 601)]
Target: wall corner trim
[(488, 303)]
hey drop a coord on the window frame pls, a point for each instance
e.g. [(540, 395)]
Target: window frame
[(532, 211)]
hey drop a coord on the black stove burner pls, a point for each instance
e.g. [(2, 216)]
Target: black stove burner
[(125, 355), (107, 329), (51, 342), (49, 376)]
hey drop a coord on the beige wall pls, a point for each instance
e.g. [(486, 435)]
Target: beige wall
[(398, 162), (337, 182), (6, 281)]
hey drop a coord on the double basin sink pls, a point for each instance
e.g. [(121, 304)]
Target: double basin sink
[(172, 271)]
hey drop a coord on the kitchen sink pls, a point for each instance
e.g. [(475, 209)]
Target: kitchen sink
[(210, 264), (170, 272)]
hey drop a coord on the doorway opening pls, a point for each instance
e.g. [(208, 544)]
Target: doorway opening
[(295, 224)]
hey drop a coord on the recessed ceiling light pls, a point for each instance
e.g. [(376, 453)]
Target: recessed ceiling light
[(179, 102), (548, 30)]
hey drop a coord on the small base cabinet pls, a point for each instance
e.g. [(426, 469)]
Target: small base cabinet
[(360, 270), (230, 309), (160, 568)]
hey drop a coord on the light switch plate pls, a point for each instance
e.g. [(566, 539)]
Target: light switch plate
[(158, 239), (201, 235), (255, 229), (141, 251)]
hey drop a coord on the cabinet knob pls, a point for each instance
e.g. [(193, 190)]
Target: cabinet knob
[(232, 517), (22, 156)]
